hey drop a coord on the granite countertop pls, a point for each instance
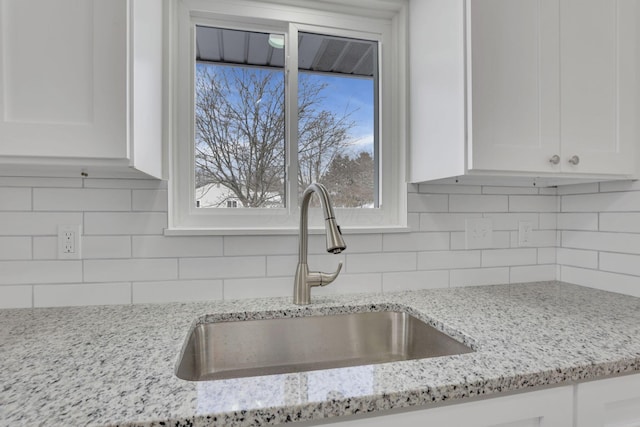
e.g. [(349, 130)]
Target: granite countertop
[(114, 365)]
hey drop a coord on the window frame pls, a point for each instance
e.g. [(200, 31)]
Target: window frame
[(388, 28)]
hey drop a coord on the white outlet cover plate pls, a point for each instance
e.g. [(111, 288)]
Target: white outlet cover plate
[(77, 232), (478, 233)]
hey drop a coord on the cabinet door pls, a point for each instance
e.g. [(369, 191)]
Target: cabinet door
[(63, 78), (545, 408), (513, 85), (613, 402), (598, 46)]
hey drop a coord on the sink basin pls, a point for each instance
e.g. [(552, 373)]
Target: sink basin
[(276, 346)]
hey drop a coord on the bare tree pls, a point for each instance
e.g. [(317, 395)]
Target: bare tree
[(350, 180), (240, 132)]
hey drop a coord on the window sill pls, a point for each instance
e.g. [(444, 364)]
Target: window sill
[(279, 231)]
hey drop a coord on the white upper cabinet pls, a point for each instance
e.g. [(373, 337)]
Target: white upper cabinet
[(524, 88), (81, 84)]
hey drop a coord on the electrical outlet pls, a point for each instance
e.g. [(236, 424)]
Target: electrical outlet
[(525, 232), (69, 241), (478, 233)]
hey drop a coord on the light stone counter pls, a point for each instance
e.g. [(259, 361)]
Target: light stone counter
[(114, 365)]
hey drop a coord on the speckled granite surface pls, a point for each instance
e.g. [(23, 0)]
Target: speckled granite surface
[(114, 365)]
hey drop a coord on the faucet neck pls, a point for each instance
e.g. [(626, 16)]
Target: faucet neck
[(322, 193)]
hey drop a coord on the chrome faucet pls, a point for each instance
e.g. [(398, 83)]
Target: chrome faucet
[(335, 244)]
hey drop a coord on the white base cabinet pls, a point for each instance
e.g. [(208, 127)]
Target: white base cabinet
[(544, 88), (81, 84), (614, 402)]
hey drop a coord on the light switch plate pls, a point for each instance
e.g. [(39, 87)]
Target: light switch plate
[(478, 233)]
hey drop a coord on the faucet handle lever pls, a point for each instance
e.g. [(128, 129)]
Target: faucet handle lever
[(323, 279)]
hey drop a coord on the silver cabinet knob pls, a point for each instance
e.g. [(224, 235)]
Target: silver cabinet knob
[(554, 160), (574, 160)]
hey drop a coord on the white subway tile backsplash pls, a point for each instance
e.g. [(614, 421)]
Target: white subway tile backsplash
[(532, 273), (176, 291), (35, 223), (418, 202), (592, 187), (549, 191), (121, 270), (81, 294), (149, 184), (507, 257), (547, 255), (479, 276), (72, 199), (150, 200), (100, 247), (412, 242), (285, 265), (445, 221), (500, 240), (533, 204), (578, 258), (222, 267), (607, 281), (583, 233), (45, 247), (262, 245), (548, 221), (542, 238), (32, 272), (15, 199), (603, 202), (578, 221), (598, 241), (626, 222), (356, 243), (129, 223), (448, 260), (464, 203), (348, 284), (620, 263), (176, 246), (15, 248), (258, 288), (20, 181), (414, 280), (510, 221), (449, 189), (510, 190), (619, 186), (381, 262), (16, 296)]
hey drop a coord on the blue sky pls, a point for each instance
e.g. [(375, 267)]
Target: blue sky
[(353, 94)]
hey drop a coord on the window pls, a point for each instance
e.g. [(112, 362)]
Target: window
[(271, 98)]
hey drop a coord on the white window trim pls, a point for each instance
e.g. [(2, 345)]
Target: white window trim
[(385, 21)]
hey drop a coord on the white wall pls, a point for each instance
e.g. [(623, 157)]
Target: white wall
[(126, 258), (599, 225)]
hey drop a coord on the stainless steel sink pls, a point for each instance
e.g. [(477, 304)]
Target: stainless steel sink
[(275, 346)]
